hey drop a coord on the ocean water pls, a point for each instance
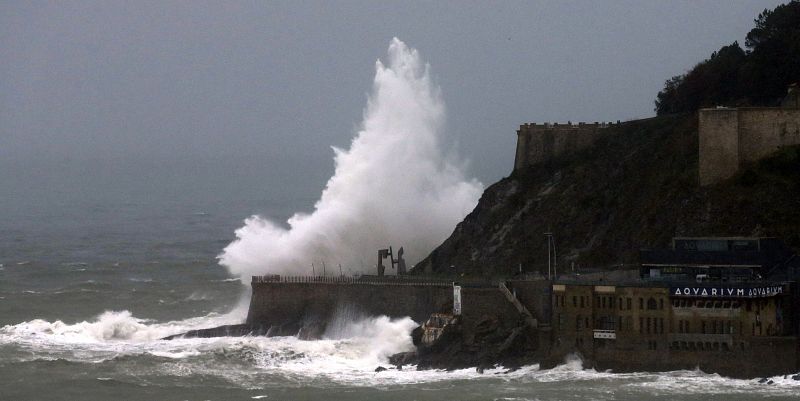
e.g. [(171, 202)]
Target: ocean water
[(101, 261)]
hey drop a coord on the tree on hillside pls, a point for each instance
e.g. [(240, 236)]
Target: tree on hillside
[(712, 82), (734, 77), (774, 59)]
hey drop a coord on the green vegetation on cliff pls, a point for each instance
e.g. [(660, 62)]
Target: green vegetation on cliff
[(735, 77), (637, 187)]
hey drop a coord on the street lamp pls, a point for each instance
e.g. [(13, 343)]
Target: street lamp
[(551, 243)]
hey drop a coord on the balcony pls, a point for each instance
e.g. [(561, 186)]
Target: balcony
[(605, 334)]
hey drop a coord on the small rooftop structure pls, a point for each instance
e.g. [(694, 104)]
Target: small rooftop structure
[(717, 259)]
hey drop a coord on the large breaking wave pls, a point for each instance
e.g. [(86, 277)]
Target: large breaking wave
[(393, 186)]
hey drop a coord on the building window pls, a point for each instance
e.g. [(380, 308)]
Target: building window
[(629, 304), (574, 301), (641, 303), (578, 322), (620, 303), (582, 304), (586, 320), (641, 325), (611, 301), (661, 325), (661, 303), (651, 304)]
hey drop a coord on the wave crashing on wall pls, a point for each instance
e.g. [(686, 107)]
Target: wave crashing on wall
[(394, 186)]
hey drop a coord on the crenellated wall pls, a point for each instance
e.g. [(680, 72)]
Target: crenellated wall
[(538, 143)]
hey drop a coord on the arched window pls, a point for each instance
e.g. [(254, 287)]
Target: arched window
[(652, 304)]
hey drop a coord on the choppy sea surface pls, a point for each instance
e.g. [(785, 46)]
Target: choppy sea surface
[(98, 264)]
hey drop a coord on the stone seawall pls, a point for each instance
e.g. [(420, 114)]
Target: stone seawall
[(535, 295), (289, 307), (286, 308), (766, 356)]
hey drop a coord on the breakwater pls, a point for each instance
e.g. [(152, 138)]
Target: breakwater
[(305, 305), (290, 305)]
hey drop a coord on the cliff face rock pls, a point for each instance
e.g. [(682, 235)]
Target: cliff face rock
[(482, 343), (637, 187)]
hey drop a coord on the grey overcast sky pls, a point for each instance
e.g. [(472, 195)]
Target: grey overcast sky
[(280, 82)]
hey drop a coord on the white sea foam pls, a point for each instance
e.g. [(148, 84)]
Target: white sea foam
[(393, 186), (199, 296), (347, 355), (107, 328)]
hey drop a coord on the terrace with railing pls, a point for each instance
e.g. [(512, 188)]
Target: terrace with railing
[(353, 280)]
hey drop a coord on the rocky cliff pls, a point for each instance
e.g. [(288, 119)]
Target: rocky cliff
[(637, 187)]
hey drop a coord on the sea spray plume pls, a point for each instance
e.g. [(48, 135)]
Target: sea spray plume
[(393, 186)]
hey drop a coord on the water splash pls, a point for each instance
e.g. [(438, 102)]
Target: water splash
[(392, 186), (110, 327)]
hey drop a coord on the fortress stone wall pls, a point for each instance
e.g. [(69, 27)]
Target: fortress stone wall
[(538, 143), (731, 137)]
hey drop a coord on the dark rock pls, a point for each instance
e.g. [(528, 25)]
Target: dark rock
[(481, 343), (513, 341), (380, 369), (487, 324), (403, 358), (796, 377), (416, 335), (235, 330)]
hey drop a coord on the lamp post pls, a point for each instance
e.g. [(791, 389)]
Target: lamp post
[(551, 244)]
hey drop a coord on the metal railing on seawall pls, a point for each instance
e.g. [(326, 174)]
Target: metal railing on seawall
[(353, 280)]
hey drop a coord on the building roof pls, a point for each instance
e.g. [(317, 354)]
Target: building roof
[(671, 257)]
